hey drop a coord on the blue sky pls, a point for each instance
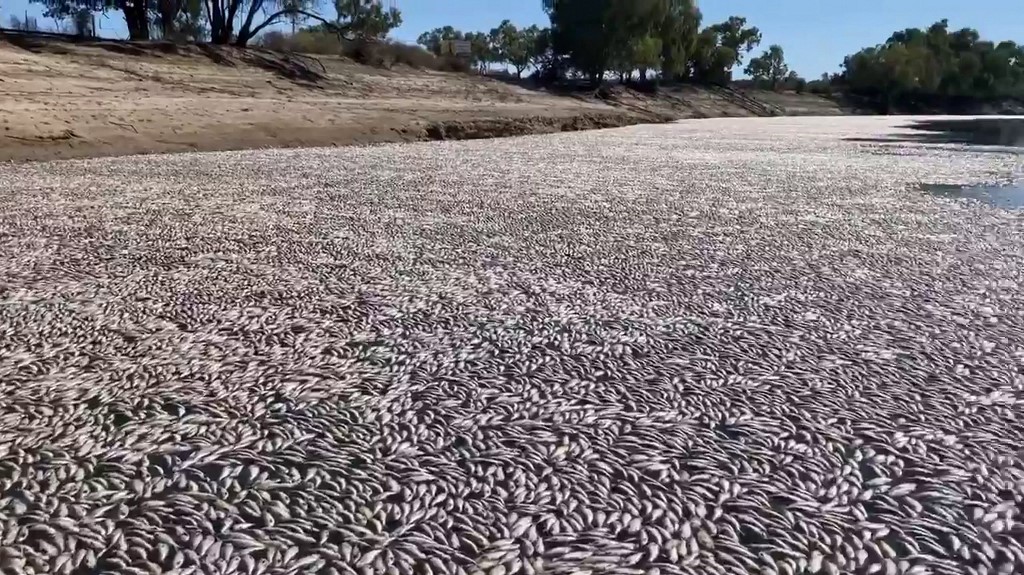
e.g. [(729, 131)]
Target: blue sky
[(816, 34)]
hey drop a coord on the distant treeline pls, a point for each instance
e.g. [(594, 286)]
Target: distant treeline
[(632, 40), (935, 67), (667, 40)]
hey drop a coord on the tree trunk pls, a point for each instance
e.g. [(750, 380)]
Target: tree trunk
[(215, 15), (222, 20), (246, 33), (169, 10), (137, 19)]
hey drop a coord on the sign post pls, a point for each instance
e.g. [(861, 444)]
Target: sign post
[(458, 48)]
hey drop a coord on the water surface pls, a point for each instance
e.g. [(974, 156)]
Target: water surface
[(998, 196)]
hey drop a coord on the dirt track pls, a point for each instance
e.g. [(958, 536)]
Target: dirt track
[(60, 100)]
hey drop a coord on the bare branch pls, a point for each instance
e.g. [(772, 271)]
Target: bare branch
[(339, 29)]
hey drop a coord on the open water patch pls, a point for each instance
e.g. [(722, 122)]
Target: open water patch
[(1007, 196), (997, 133)]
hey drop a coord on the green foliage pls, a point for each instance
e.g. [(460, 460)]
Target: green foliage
[(737, 37), (224, 21), (190, 23), (544, 50), (711, 61), (589, 38), (582, 30), (517, 47), (721, 47), (645, 54), (180, 20), (796, 83), (678, 31), (483, 53), (769, 68), (822, 85), (137, 14), (597, 35), (484, 50), (641, 55), (367, 18), (432, 40), (936, 66)]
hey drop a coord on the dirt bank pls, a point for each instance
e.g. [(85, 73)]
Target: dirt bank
[(63, 99)]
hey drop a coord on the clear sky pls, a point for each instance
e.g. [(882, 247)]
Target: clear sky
[(816, 34)]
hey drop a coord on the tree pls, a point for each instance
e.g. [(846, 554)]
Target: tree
[(641, 55), (647, 55), (514, 46), (795, 82), (136, 12), (29, 24), (580, 30), (769, 68), (366, 18), (224, 15), (190, 25), (935, 66), (678, 31), (822, 85), (711, 61), (481, 50), (735, 35), (354, 17), (432, 40), (81, 20), (593, 33), (551, 65)]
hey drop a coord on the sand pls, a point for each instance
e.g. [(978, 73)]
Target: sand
[(60, 99)]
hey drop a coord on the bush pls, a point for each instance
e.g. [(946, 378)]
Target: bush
[(371, 52), (273, 40), (819, 87), (410, 55), (304, 41), (453, 64)]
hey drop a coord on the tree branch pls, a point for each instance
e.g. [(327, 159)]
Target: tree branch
[(273, 18), (254, 7)]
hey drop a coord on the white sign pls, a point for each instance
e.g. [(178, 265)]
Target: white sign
[(456, 47)]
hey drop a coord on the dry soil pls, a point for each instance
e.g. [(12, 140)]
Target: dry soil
[(61, 99)]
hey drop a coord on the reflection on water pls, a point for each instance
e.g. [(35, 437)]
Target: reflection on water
[(999, 131), (1007, 196)]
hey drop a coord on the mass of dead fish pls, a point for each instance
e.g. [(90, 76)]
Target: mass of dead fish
[(725, 346)]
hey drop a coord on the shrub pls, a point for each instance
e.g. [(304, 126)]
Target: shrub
[(409, 55), (371, 52), (304, 41)]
